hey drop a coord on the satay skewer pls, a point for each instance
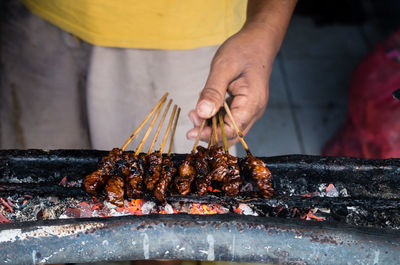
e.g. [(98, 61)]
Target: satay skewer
[(171, 119), (146, 135), (198, 135), (168, 169), (159, 127), (214, 129), (255, 166), (138, 129), (211, 140), (239, 133), (222, 125), (171, 141)]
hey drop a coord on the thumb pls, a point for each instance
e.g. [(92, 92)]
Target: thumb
[(213, 95)]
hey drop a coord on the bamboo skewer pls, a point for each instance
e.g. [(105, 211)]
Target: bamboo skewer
[(215, 129), (171, 119), (149, 129), (159, 127), (198, 135), (137, 130), (239, 133), (171, 141), (210, 140), (222, 125)]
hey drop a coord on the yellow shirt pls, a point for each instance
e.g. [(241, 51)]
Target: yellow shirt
[(149, 24)]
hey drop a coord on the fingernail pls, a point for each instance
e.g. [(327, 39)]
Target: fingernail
[(205, 108)]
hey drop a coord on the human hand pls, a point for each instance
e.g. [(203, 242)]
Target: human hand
[(242, 67)]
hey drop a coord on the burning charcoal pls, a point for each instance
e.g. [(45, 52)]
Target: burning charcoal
[(331, 191), (73, 212), (245, 209)]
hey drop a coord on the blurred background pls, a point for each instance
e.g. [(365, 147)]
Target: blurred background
[(325, 41)]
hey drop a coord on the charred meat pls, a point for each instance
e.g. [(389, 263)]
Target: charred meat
[(115, 191), (154, 170), (261, 175), (168, 171), (187, 173)]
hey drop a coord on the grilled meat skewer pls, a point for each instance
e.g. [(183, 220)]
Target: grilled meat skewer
[(96, 181), (168, 171), (135, 174), (115, 190), (201, 164), (261, 175), (232, 180), (153, 172), (187, 173)]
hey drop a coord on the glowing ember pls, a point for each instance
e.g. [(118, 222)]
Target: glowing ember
[(3, 219), (203, 209), (63, 182), (134, 207), (331, 191), (6, 205), (311, 216), (210, 189), (245, 209)]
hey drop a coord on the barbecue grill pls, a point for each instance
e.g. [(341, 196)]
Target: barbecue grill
[(325, 210)]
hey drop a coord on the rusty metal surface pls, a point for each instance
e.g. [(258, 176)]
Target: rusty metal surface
[(216, 237)]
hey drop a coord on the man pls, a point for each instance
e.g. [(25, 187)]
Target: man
[(60, 92), (139, 51)]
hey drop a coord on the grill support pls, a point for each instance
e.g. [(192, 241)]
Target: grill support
[(225, 238)]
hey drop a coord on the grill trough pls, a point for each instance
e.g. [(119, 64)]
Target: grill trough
[(325, 210)]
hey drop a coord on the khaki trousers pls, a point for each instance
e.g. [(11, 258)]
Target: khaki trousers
[(59, 92)]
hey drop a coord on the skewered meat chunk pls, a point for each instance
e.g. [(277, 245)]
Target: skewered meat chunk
[(260, 174), (168, 171), (115, 191), (203, 178), (232, 180), (219, 163), (95, 182), (134, 175), (154, 171), (187, 173)]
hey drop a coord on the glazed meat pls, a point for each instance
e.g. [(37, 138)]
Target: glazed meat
[(134, 175), (187, 173), (218, 163), (201, 164), (232, 180), (96, 181), (261, 175), (168, 171), (115, 191), (154, 170)]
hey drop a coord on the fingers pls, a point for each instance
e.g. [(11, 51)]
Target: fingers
[(213, 94)]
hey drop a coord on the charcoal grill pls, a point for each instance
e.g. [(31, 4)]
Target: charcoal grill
[(360, 220)]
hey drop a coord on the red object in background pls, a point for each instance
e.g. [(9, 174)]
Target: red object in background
[(372, 126)]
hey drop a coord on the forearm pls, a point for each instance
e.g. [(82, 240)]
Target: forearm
[(270, 18)]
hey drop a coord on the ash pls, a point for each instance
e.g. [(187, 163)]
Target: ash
[(33, 208)]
